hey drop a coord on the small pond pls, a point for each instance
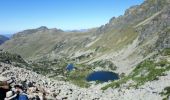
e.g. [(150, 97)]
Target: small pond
[(70, 67), (102, 76)]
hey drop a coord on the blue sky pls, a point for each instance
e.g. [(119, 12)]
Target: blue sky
[(17, 15)]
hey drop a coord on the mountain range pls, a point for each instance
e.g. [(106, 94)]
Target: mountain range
[(136, 45)]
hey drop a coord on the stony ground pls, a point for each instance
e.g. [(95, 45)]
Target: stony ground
[(61, 90)]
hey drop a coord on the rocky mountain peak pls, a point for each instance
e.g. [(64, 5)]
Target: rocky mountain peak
[(42, 28)]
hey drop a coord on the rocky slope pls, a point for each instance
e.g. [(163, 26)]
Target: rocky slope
[(36, 43), (140, 23), (151, 24), (63, 90)]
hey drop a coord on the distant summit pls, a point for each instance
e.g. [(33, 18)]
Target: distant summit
[(42, 28)]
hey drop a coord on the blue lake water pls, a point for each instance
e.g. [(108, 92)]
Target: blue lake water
[(102, 76), (70, 67)]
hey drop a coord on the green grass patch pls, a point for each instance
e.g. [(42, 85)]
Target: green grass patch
[(14, 59), (78, 77), (144, 72), (166, 52), (115, 39)]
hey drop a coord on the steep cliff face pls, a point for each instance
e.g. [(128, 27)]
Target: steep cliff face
[(144, 34), (150, 50)]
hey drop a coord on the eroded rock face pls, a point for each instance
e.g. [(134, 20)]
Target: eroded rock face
[(164, 40), (156, 25)]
